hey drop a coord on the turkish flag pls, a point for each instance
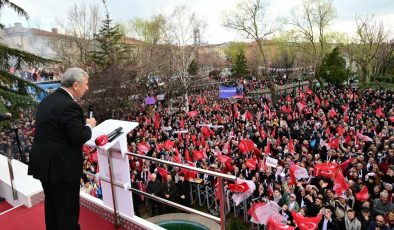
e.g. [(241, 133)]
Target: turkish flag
[(187, 156), (250, 163), (246, 145), (274, 224), (223, 158), (263, 135), (340, 130), (298, 172), (163, 173), (334, 143), (202, 141), (143, 148), (332, 112), (267, 149), (340, 184), (326, 170), (248, 116), (177, 158), (291, 146), (168, 144), (346, 163), (273, 134), (243, 187), (192, 113), (261, 213), (363, 195), (306, 223), (207, 131), (252, 211), (241, 196), (198, 155), (379, 112)]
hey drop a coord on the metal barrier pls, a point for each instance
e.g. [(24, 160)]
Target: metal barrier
[(197, 195)]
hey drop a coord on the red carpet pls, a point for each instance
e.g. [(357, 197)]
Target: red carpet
[(33, 218), (4, 206)]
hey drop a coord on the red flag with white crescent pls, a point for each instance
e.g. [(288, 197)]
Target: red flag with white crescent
[(363, 195), (306, 223)]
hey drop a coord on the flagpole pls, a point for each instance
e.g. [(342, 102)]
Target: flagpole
[(222, 212)]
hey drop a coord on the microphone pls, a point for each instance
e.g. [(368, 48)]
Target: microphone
[(104, 139), (90, 111), (115, 132)]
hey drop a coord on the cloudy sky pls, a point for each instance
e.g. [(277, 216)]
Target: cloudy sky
[(43, 13)]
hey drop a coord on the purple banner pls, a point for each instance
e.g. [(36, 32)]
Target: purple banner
[(150, 101)]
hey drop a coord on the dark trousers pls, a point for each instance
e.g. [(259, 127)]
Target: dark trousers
[(61, 206)]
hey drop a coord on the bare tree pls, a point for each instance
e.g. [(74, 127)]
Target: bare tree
[(180, 36), (311, 21), (371, 35), (250, 19), (81, 25)]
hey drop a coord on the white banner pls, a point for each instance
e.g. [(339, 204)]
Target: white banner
[(272, 162)]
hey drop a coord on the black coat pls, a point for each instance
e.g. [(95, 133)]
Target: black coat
[(331, 225), (154, 188), (168, 188), (183, 188), (56, 154)]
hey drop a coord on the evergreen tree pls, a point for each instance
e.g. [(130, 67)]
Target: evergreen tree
[(14, 91), (113, 76), (333, 68), (111, 48), (240, 65)]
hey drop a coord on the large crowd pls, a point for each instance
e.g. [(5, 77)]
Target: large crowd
[(343, 138)]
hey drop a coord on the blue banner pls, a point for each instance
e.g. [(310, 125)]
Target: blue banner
[(227, 92)]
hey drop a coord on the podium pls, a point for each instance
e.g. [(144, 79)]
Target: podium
[(112, 159)]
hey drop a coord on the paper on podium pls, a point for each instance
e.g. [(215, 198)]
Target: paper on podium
[(107, 127)]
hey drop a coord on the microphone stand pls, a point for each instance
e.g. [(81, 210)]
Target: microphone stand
[(18, 141)]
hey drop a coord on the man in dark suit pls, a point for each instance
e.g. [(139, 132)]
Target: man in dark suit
[(168, 191), (183, 190), (56, 155)]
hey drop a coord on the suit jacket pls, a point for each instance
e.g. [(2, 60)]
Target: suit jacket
[(331, 225), (56, 154)]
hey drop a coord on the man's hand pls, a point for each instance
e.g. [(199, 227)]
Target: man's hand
[(91, 122), (183, 197)]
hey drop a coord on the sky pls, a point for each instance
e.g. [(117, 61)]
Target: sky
[(45, 14)]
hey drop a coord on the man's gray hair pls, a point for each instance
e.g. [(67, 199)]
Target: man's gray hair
[(384, 193), (73, 75)]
